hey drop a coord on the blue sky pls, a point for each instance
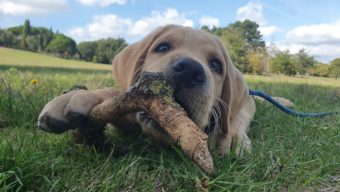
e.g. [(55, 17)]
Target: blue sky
[(313, 24)]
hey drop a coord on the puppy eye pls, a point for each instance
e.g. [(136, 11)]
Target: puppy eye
[(162, 47), (216, 65)]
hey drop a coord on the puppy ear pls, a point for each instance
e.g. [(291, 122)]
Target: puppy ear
[(128, 63), (234, 93)]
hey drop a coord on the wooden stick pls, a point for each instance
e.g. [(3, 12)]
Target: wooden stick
[(153, 94)]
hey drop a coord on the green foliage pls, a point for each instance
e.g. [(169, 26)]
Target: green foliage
[(87, 50), (237, 48), (62, 46), (17, 31), (258, 61), (40, 39), (250, 55), (25, 32), (205, 28), (101, 51), (38, 30), (7, 39), (303, 61), (108, 48), (335, 68), (241, 38), (250, 33), (29, 37), (321, 70), (283, 63), (33, 42)]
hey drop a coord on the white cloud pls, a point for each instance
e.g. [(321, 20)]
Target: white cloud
[(147, 24), (316, 34), (254, 12), (322, 40), (251, 11), (209, 21), (102, 3), (31, 7), (103, 26), (268, 30)]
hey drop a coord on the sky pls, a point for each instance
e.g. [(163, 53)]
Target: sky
[(289, 25)]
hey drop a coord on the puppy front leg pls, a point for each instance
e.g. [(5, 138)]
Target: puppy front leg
[(71, 111), (236, 135), (52, 118)]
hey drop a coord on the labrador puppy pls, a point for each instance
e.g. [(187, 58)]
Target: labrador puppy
[(207, 85)]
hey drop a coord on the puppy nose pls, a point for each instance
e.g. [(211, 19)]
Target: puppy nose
[(188, 73)]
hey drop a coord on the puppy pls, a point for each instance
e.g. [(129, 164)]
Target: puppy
[(207, 86)]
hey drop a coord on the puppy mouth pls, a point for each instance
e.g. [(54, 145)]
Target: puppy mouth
[(183, 101), (193, 103)]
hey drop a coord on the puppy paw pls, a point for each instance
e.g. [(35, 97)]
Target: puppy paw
[(238, 144), (243, 145), (52, 118), (79, 107), (285, 102)]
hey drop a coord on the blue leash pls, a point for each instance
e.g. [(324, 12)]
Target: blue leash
[(287, 110)]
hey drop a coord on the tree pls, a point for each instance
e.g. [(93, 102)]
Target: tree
[(62, 46), (46, 39), (101, 51), (41, 42), (322, 70), (242, 39), (259, 61), (25, 32), (249, 31), (108, 48), (303, 61), (87, 50), (33, 42), (17, 31), (205, 28), (335, 68), (237, 47), (7, 39), (283, 63)]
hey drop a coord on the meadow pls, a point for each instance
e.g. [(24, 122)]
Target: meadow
[(289, 153)]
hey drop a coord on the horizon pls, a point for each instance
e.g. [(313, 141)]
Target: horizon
[(312, 25)]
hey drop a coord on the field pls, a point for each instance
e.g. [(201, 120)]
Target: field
[(289, 153), (16, 57)]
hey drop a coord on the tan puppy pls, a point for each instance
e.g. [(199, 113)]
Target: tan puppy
[(208, 86)]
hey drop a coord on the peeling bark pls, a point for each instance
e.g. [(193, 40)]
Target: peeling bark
[(153, 94)]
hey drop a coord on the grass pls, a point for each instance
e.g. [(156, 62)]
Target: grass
[(15, 57), (289, 154)]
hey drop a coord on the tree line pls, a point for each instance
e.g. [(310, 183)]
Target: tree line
[(243, 39), (40, 39), (249, 53)]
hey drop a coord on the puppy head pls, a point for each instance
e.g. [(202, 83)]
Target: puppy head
[(194, 59)]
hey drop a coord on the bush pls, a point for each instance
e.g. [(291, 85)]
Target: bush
[(62, 46), (322, 70), (101, 51), (335, 68), (283, 63)]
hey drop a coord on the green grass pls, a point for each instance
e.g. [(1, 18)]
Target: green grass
[(289, 154), (15, 57)]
